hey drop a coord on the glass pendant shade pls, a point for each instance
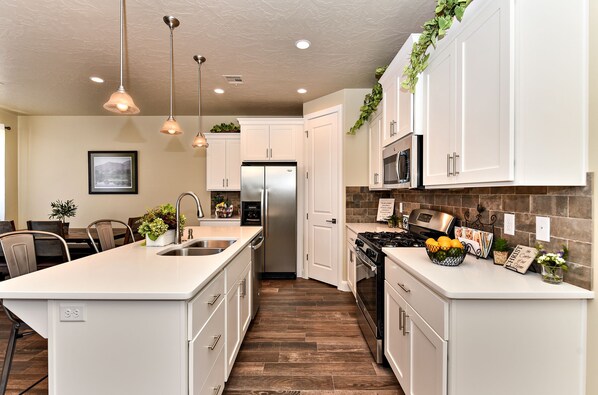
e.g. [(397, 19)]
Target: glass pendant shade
[(171, 127), (200, 141), (121, 102)]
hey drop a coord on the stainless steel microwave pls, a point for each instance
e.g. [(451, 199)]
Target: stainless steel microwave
[(403, 163)]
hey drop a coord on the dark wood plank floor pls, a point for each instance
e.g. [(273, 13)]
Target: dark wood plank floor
[(303, 341)]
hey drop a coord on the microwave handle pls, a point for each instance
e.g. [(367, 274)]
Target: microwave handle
[(398, 168)]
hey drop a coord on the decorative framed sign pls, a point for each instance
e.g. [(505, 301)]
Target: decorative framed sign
[(521, 258), (112, 172), (386, 208)]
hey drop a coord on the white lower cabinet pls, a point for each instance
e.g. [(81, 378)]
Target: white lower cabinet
[(238, 306), (351, 259)]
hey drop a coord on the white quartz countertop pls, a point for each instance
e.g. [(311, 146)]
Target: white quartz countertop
[(480, 279), (215, 218), (372, 227), (132, 272)]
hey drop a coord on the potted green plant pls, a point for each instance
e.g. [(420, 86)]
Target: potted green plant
[(553, 264), (500, 251), (158, 225), (225, 128), (393, 221), (62, 210)]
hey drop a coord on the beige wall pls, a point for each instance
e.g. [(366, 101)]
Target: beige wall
[(53, 164), (592, 381), (11, 164)]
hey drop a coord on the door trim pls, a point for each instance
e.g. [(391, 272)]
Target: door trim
[(338, 110)]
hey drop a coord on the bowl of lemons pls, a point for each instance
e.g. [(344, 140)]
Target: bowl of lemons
[(446, 251)]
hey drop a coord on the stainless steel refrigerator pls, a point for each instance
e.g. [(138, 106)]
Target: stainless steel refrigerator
[(269, 199)]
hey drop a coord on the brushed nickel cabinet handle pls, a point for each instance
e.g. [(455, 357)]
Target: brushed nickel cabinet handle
[(404, 287), (216, 340), (400, 318), (448, 165), (214, 299), (405, 316), (455, 156), (267, 153)]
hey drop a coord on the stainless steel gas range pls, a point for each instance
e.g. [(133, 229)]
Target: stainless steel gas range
[(369, 282)]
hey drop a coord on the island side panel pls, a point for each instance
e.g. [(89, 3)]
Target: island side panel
[(517, 347), (122, 347)]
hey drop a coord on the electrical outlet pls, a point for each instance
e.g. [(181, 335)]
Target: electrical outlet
[(72, 312), (509, 224), (543, 228)]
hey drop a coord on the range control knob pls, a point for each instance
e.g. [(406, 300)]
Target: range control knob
[(359, 243)]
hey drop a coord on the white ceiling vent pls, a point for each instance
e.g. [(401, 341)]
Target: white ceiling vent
[(233, 79)]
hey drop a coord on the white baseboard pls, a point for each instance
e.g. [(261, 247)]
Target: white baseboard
[(344, 286)]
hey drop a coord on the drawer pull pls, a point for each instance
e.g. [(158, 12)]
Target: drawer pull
[(216, 340), (217, 389), (404, 288), (214, 299), (405, 316)]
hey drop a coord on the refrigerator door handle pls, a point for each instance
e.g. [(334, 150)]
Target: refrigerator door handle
[(267, 230), (263, 211)]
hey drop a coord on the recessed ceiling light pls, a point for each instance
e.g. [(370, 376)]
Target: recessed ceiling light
[(219, 91), (97, 79), (301, 90), (302, 44)]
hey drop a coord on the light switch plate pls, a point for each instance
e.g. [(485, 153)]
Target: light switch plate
[(543, 228), (509, 224)]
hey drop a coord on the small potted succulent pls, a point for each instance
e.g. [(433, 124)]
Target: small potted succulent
[(62, 210), (393, 221), (158, 225), (500, 250)]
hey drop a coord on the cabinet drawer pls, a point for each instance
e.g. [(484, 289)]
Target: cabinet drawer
[(431, 307), (201, 307), (235, 268), (205, 349), (351, 236), (214, 385)]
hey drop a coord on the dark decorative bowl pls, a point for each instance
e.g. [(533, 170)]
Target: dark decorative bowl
[(451, 257)]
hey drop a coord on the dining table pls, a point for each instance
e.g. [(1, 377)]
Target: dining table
[(79, 235)]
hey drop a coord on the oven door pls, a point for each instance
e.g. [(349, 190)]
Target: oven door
[(366, 284)]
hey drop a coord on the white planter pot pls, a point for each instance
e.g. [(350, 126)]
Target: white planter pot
[(163, 240)]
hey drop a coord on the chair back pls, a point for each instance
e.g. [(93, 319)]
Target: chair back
[(20, 251), (133, 223), (5, 227), (46, 248), (106, 233)]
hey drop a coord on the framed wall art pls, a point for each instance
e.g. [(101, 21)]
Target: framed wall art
[(112, 172)]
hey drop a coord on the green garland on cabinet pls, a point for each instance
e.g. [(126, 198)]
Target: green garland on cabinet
[(370, 103), (434, 30)]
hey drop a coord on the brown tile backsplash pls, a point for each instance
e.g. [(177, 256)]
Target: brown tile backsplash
[(569, 210)]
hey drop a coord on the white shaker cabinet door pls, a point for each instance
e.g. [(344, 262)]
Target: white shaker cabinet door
[(375, 140), (255, 142), (282, 142), (233, 340), (389, 98), (245, 301), (485, 132), (233, 165), (439, 91), (396, 340), (429, 357), (216, 165)]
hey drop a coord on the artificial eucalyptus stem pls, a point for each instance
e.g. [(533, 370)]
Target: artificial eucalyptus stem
[(370, 103)]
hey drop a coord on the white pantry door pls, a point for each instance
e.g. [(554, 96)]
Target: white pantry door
[(323, 198)]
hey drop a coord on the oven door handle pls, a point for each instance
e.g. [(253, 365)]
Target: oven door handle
[(366, 261)]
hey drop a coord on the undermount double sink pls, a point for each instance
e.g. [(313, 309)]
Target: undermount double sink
[(199, 248)]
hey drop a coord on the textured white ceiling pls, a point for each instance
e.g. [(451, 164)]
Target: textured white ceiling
[(50, 48)]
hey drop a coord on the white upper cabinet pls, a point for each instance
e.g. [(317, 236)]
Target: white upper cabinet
[(399, 105), (264, 139), (375, 142), (223, 162), (495, 96)]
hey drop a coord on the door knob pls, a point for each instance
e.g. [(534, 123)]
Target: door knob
[(333, 221)]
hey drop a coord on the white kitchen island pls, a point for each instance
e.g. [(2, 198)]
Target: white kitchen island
[(479, 328), (129, 321)]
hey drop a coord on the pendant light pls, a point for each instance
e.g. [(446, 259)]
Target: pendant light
[(200, 140), (120, 102), (171, 126)]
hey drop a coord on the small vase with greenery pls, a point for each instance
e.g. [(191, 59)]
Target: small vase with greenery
[(393, 221), (553, 264), (157, 222), (500, 250), (62, 210)]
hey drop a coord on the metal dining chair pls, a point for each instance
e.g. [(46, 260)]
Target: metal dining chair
[(20, 254), (5, 226), (106, 233), (133, 223)]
